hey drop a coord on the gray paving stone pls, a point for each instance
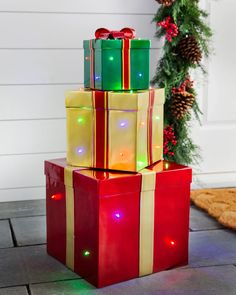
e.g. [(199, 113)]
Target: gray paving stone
[(219, 280), (214, 247), (14, 291), (24, 265), (200, 220), (22, 208), (29, 230), (5, 234)]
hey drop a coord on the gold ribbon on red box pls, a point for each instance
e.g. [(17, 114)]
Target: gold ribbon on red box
[(146, 229)]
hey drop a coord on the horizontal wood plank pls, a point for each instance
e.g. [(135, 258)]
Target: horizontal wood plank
[(33, 101), (20, 194), (32, 136), (41, 66), (75, 6), (47, 66), (22, 171), (66, 30)]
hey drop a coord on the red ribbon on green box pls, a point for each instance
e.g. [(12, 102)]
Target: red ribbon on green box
[(91, 51), (125, 34)]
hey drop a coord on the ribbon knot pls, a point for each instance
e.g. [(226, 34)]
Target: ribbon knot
[(125, 33)]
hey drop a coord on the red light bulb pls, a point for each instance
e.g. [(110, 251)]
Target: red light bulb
[(169, 242), (56, 197)]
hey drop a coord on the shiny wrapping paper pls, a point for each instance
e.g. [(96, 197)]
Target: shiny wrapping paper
[(116, 64), (114, 130), (110, 226)]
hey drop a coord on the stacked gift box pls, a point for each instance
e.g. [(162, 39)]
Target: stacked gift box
[(115, 209)]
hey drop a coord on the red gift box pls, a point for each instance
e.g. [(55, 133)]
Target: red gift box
[(110, 227)]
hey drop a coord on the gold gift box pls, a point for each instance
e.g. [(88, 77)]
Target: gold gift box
[(114, 130)]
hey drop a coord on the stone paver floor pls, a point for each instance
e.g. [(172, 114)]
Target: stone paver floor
[(26, 269)]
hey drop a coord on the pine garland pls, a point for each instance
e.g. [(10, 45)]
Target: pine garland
[(183, 24)]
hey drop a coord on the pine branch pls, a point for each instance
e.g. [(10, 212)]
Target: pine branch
[(173, 68)]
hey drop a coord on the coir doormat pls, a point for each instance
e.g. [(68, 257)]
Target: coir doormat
[(219, 203)]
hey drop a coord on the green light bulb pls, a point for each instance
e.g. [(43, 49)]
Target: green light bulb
[(111, 58), (140, 163), (80, 120), (86, 253)]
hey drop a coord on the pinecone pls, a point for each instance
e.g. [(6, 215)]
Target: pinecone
[(181, 104), (189, 49), (166, 3)]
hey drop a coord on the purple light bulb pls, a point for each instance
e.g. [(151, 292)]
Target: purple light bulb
[(80, 150), (123, 124), (117, 215)]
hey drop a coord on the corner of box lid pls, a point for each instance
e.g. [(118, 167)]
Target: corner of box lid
[(55, 169), (160, 95), (86, 173), (86, 44), (178, 169), (146, 43), (69, 97), (122, 184), (80, 98), (46, 163)]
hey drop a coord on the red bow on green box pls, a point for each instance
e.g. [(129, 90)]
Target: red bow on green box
[(125, 33)]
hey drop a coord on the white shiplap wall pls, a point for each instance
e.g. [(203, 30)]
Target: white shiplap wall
[(41, 57)]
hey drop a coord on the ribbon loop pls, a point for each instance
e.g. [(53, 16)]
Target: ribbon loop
[(125, 33)]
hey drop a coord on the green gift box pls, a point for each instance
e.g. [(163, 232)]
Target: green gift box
[(119, 64)]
